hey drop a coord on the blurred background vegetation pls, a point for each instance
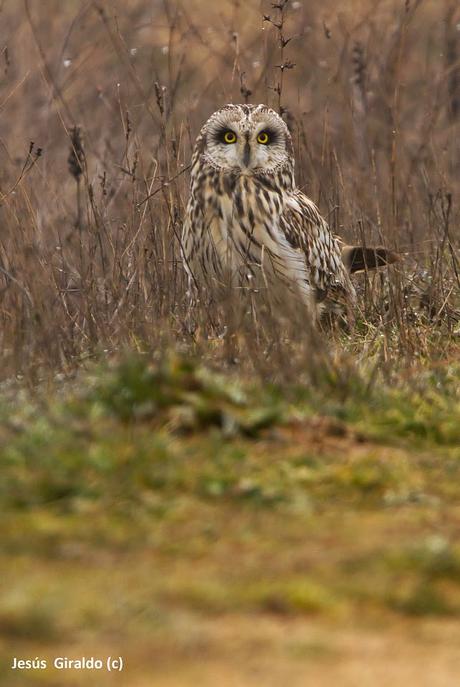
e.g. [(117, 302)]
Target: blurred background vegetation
[(245, 508), (89, 254)]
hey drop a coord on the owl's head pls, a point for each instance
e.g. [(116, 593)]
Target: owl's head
[(249, 139)]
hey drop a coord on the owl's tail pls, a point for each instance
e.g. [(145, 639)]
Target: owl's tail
[(360, 258)]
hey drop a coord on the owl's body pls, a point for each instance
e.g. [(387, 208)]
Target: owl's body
[(247, 226)]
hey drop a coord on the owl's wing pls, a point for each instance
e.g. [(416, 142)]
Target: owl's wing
[(306, 230)]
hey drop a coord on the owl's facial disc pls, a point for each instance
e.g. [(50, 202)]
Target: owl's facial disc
[(247, 141)]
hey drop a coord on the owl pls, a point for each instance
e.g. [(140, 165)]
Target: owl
[(247, 226)]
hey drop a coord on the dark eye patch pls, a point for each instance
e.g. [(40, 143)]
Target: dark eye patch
[(220, 135), (271, 134)]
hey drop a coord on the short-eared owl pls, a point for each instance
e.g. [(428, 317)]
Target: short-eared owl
[(247, 225)]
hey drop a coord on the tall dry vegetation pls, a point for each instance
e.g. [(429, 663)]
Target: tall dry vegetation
[(100, 102)]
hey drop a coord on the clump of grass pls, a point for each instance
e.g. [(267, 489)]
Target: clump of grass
[(288, 597), (29, 624), (86, 440), (183, 392), (434, 585)]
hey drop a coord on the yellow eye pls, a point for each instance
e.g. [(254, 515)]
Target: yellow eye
[(262, 138), (229, 137)]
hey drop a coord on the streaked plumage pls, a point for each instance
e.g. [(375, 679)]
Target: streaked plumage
[(247, 225)]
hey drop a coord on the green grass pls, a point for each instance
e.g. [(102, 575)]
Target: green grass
[(192, 492)]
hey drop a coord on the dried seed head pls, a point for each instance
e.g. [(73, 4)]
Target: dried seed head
[(359, 64), (244, 90), (159, 95), (77, 158), (452, 56)]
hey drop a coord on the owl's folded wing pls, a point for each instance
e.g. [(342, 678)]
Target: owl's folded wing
[(307, 231)]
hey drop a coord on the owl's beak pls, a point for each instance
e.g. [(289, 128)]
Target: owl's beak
[(246, 154)]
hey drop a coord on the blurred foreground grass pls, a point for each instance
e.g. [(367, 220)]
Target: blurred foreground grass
[(152, 507)]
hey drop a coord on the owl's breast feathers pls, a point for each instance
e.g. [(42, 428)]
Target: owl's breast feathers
[(251, 224)]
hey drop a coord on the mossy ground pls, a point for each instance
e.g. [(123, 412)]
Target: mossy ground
[(182, 519)]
